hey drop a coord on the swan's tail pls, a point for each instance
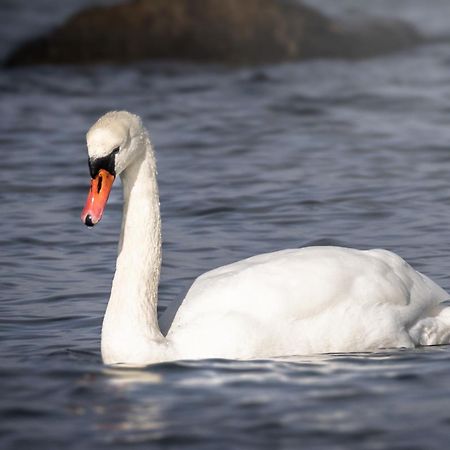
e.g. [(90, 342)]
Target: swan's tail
[(433, 330)]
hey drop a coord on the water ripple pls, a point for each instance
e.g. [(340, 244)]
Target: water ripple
[(250, 160)]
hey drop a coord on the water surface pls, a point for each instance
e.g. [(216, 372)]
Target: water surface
[(250, 160)]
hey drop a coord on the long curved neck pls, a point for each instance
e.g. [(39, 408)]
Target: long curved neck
[(130, 332)]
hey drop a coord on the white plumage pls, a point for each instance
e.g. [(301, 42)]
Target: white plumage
[(291, 302), (311, 300)]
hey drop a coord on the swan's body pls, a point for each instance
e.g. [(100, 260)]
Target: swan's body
[(300, 301)]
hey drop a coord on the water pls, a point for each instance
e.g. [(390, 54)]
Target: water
[(250, 160)]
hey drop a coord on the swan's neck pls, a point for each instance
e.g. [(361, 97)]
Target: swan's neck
[(130, 332)]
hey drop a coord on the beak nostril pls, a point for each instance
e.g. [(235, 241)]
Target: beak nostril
[(99, 186), (88, 221)]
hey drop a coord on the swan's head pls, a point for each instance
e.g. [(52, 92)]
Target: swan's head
[(112, 145)]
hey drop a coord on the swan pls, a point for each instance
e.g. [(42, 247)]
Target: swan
[(290, 302)]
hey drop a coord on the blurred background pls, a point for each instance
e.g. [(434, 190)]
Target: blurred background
[(340, 150)]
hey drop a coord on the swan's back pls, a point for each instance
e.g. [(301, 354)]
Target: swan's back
[(314, 299)]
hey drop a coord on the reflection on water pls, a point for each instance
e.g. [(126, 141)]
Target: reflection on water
[(250, 160), (361, 399)]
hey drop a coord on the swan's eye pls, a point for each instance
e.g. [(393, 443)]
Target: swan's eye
[(115, 151)]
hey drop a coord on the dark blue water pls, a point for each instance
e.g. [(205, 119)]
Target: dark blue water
[(250, 160)]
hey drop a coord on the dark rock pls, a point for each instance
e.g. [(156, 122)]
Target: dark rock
[(225, 31)]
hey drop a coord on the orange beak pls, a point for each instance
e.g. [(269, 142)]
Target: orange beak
[(97, 197)]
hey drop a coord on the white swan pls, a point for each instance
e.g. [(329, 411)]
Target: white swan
[(291, 302)]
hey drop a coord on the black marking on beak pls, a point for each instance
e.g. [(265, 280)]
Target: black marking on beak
[(88, 221), (107, 162)]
